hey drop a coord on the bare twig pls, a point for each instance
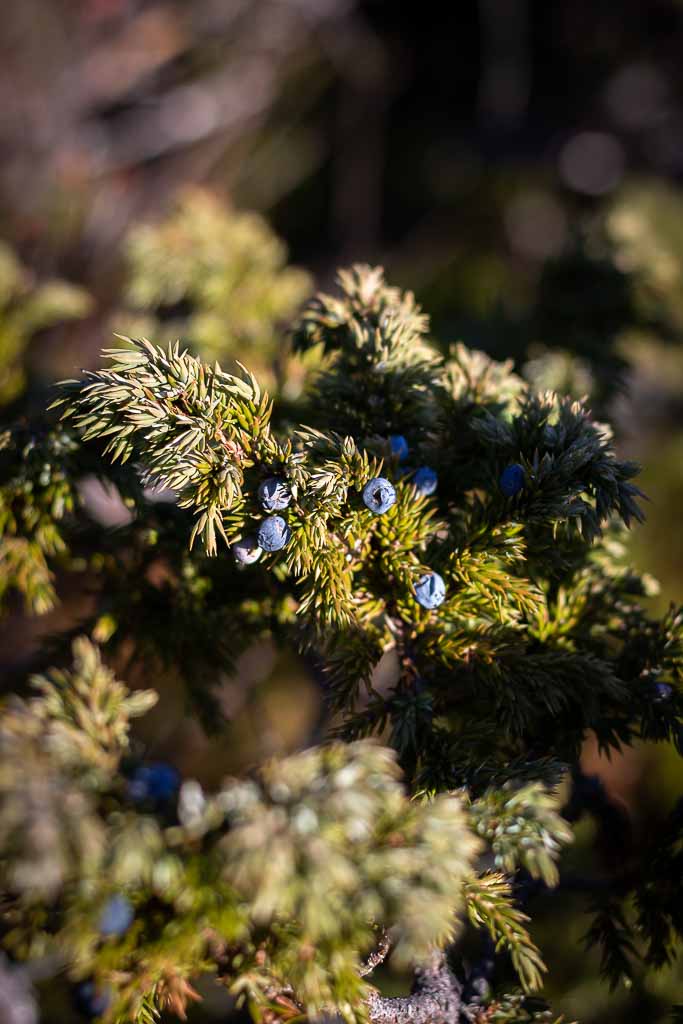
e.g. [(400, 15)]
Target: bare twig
[(378, 956)]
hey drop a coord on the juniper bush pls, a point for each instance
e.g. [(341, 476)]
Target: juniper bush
[(436, 790)]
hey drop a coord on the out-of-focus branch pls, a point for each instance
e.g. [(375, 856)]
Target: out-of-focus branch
[(378, 956)]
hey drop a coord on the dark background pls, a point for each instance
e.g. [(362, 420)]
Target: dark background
[(518, 164)]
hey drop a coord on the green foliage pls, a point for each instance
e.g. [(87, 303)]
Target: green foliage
[(336, 821), (217, 278), (25, 309), (644, 224), (87, 712), (282, 883), (642, 919), (56, 751), (36, 493), (612, 299), (524, 829), (490, 905), (243, 868), (42, 508), (193, 422), (519, 1009)]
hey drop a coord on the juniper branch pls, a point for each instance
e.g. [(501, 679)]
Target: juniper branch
[(436, 998)]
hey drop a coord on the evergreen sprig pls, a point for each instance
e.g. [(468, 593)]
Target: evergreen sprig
[(240, 870), (506, 623)]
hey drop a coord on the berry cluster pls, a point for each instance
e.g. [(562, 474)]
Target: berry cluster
[(379, 494), (273, 534)]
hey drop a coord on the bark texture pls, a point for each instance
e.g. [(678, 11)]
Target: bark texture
[(436, 998)]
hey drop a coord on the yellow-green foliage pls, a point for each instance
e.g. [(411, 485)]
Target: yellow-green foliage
[(294, 870), (56, 751), (215, 277), (645, 224), (284, 882), (25, 308), (36, 494)]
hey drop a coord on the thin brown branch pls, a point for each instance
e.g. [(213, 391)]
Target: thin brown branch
[(378, 956)]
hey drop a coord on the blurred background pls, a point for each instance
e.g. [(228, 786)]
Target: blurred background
[(194, 168)]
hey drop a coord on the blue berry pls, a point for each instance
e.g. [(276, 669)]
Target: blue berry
[(274, 494), (430, 590), (379, 495), (155, 780), (273, 533), (90, 1000), (399, 446), (425, 480), (512, 480), (116, 917), (662, 692), (246, 551)]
